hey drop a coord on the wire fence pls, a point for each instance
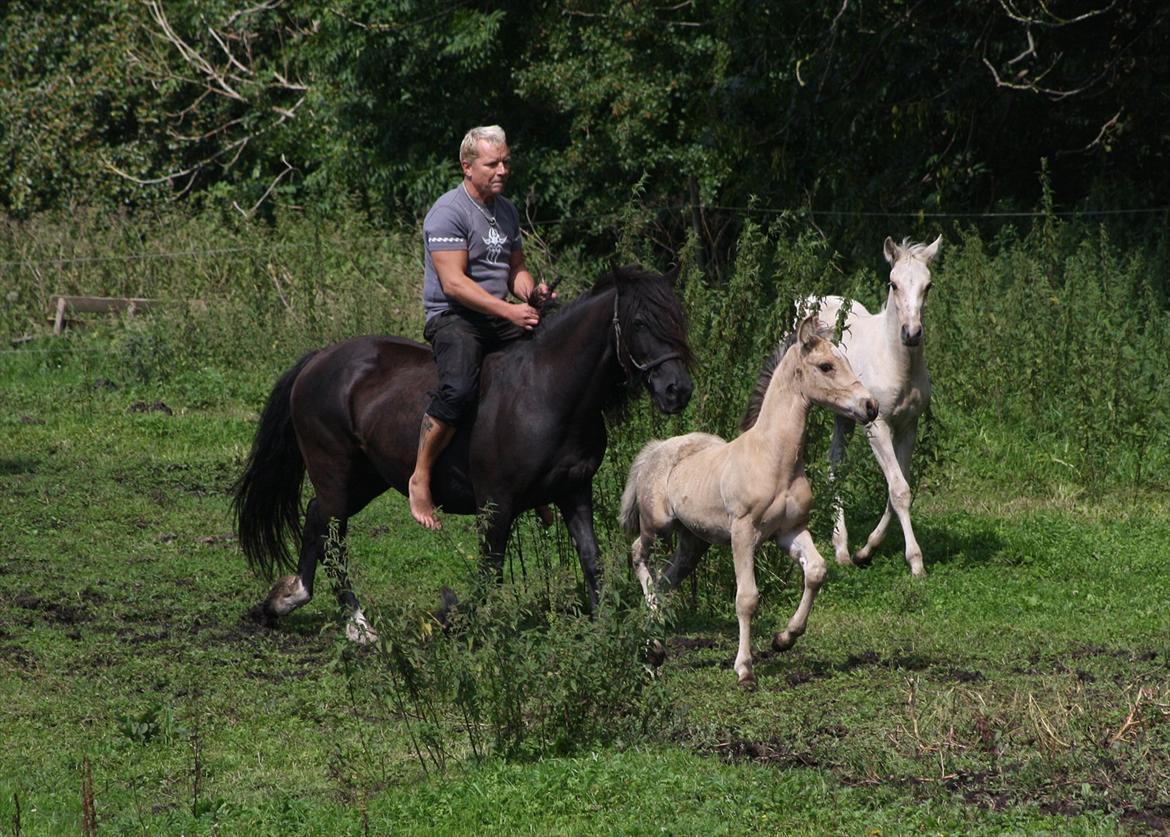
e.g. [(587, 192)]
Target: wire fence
[(581, 219)]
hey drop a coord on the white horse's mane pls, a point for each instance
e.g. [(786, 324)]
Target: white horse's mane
[(913, 248)]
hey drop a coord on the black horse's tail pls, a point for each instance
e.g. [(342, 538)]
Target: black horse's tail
[(267, 496)]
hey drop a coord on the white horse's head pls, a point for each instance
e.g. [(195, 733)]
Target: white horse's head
[(909, 284)]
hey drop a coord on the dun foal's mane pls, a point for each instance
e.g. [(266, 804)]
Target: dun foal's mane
[(756, 399)]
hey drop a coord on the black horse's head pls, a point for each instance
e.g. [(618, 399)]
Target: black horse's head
[(650, 331)]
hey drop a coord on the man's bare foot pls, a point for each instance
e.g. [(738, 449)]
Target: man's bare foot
[(545, 514), (422, 508)]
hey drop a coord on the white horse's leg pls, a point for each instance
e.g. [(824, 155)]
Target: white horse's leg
[(744, 538), (842, 428), (882, 442), (903, 448), (803, 551)]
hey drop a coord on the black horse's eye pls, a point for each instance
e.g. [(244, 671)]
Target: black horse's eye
[(639, 324), (826, 367)]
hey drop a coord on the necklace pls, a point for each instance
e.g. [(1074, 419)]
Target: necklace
[(491, 219)]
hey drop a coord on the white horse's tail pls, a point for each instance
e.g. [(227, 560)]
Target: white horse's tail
[(629, 515)]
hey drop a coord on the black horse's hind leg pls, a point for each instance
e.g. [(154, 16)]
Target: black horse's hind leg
[(345, 494), (578, 513), (292, 591)]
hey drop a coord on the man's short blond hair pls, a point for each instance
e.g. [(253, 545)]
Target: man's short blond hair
[(469, 148)]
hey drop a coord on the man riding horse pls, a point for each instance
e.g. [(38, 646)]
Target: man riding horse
[(473, 256)]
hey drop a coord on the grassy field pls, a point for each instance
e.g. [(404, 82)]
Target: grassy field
[(1023, 686)]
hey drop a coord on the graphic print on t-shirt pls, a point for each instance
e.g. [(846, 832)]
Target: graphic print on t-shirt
[(495, 243)]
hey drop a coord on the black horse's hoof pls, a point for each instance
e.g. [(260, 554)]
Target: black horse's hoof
[(262, 615), (448, 601)]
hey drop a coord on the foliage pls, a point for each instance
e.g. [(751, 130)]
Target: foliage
[(844, 112), (70, 107)]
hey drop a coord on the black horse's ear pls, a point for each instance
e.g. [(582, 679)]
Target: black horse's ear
[(671, 275)]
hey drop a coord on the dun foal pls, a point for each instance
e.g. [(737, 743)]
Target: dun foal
[(886, 350), (741, 492)]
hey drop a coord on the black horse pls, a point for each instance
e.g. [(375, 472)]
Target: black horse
[(349, 416)]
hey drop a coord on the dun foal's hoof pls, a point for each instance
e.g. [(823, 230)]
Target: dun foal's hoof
[(747, 682), (783, 641), (655, 653)]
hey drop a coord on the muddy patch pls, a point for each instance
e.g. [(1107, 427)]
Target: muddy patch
[(61, 613), (18, 657)]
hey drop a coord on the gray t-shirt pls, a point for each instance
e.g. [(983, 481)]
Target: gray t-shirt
[(456, 222)]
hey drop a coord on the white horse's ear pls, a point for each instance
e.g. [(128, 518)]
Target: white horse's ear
[(891, 250), (808, 332), (930, 252)]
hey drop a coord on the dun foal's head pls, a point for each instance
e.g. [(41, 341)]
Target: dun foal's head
[(827, 378), (909, 284), (650, 331)]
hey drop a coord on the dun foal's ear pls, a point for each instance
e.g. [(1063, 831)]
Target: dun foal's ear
[(930, 252), (808, 332), (891, 250)]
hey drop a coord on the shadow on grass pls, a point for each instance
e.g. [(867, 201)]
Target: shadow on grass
[(10, 467)]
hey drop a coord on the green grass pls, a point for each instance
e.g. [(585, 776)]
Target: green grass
[(1023, 686)]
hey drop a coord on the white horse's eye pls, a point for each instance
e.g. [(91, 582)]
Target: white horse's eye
[(826, 367)]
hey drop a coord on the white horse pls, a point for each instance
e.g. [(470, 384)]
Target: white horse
[(740, 492), (886, 350)]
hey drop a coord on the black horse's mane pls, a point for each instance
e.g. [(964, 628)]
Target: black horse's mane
[(756, 399), (652, 297)]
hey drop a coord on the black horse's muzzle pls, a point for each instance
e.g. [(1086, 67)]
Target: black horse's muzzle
[(670, 385)]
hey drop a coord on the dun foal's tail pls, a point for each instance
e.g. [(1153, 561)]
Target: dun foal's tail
[(629, 516), (267, 501)]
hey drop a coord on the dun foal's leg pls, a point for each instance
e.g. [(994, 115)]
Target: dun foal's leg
[(744, 538), (895, 464), (687, 554), (842, 429), (578, 513), (804, 552), (639, 553)]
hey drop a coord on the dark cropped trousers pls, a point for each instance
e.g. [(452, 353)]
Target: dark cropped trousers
[(460, 339)]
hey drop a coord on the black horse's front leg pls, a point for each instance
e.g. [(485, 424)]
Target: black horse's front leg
[(577, 510), (495, 527)]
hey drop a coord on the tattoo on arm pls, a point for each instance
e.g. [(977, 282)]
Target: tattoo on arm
[(427, 426)]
